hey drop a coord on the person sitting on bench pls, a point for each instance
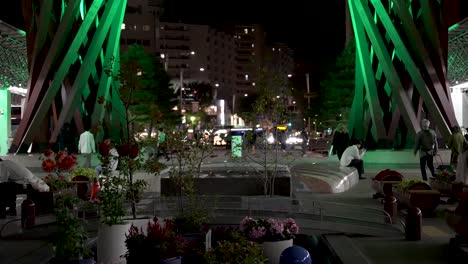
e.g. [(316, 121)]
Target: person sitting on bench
[(13, 174)]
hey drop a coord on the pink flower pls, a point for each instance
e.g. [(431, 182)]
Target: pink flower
[(246, 223), (276, 227), (257, 232), (291, 225)]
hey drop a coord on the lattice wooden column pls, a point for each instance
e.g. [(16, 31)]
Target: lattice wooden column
[(70, 44), (401, 67)]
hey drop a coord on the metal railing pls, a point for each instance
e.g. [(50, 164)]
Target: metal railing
[(237, 207)]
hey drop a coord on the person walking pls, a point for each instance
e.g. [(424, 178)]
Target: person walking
[(86, 146), (426, 144), (352, 157), (456, 144), (340, 140)]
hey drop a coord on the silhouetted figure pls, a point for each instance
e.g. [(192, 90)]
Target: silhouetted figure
[(340, 140)]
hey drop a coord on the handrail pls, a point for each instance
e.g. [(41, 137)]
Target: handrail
[(281, 205)]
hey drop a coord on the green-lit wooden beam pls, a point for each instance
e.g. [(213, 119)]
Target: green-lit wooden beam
[(38, 105), (62, 71), (364, 57), (415, 74), (93, 51), (45, 20), (112, 52), (362, 12)]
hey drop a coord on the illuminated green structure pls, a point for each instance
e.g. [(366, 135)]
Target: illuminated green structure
[(70, 45), (13, 73), (401, 68)]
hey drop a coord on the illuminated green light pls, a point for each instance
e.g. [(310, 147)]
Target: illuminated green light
[(21, 32), (453, 27), (82, 9)]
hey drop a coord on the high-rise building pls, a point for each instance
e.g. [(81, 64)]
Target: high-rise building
[(250, 47), (140, 24), (279, 60)]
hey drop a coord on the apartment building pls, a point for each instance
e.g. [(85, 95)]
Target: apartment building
[(250, 46), (140, 24)]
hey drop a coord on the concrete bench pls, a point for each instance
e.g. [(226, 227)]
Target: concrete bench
[(323, 178)]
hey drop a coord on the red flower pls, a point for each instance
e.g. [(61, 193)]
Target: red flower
[(134, 151), (60, 155), (48, 153), (48, 165), (66, 163), (104, 149), (124, 150)]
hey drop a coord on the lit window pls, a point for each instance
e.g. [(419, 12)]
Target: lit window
[(273, 49), (253, 29), (134, 27), (246, 30), (146, 28), (253, 45), (246, 77), (253, 84), (122, 26)]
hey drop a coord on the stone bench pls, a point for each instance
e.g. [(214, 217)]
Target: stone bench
[(323, 178)]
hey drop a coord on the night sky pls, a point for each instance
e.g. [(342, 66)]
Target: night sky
[(314, 29)]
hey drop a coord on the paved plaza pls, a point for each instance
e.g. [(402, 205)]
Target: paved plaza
[(387, 247)]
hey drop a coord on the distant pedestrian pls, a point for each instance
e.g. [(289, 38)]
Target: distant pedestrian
[(340, 140), (456, 144), (252, 140), (352, 157), (86, 146), (305, 141), (426, 144), (162, 144)]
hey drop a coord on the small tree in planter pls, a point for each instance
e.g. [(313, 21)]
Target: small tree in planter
[(186, 166), (69, 240), (269, 107)]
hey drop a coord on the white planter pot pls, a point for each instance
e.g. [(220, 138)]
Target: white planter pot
[(273, 250), (111, 241)]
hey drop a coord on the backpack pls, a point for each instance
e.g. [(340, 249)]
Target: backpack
[(426, 141)]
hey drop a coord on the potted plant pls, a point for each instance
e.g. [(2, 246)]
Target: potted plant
[(275, 235), (159, 244), (57, 165), (443, 179), (236, 250), (69, 240), (87, 172)]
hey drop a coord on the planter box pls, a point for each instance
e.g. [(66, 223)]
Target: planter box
[(237, 186), (426, 200), (378, 186)]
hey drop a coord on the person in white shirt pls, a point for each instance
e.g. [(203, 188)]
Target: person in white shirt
[(352, 157), (86, 146)]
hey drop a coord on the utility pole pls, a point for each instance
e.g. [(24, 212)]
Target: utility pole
[(308, 100), (181, 87)]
